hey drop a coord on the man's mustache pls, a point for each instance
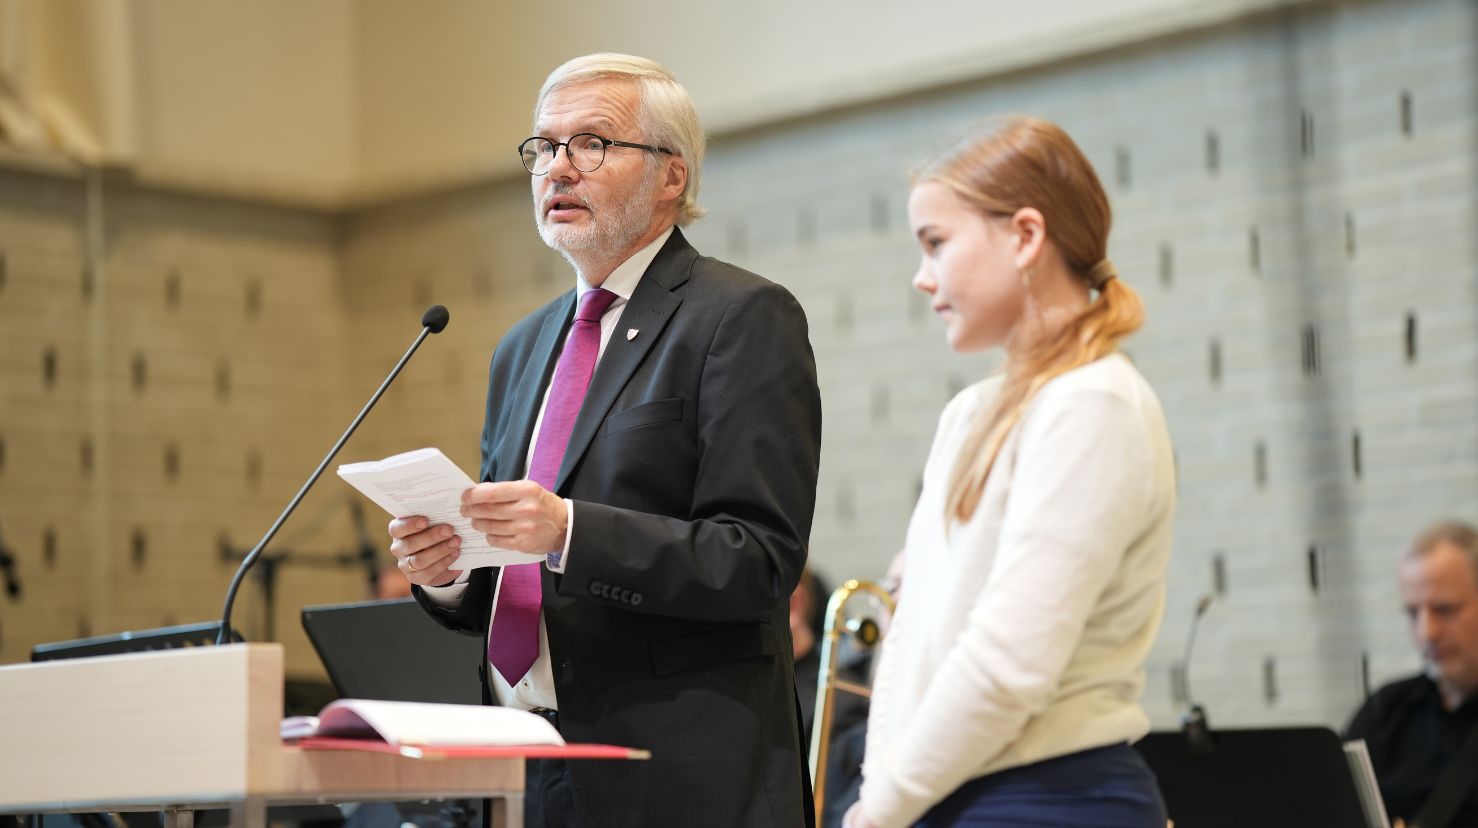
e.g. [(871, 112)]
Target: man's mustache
[(566, 192)]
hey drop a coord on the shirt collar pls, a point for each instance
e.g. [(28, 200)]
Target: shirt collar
[(1433, 691), (623, 279)]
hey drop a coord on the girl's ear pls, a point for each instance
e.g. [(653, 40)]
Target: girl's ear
[(1029, 233)]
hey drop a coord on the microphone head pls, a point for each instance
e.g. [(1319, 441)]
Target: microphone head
[(1203, 604), (436, 318)]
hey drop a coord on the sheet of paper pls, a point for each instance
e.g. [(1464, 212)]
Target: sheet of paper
[(426, 482)]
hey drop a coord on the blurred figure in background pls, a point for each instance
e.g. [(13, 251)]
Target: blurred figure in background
[(1035, 562), (1420, 730), (391, 583), (807, 624)]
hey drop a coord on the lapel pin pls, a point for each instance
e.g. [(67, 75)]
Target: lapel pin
[(631, 334)]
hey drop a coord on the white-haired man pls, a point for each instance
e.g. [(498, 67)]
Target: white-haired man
[(652, 441), (1421, 730)]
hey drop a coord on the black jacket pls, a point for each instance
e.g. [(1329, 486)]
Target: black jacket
[(1412, 740), (692, 467)]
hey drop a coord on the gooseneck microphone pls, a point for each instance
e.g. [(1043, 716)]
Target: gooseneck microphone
[(1193, 723), (434, 320)]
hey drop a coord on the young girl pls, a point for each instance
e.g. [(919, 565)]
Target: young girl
[(1034, 571)]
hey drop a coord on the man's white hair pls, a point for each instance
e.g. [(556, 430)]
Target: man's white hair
[(667, 116)]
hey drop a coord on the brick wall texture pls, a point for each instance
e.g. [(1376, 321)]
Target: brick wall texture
[(1294, 198)]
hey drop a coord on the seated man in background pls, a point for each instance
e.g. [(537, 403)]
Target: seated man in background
[(806, 629), (1418, 727)]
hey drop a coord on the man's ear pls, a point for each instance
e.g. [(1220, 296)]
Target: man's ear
[(1029, 232), (675, 180)]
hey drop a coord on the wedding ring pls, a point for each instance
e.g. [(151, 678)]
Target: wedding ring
[(410, 563)]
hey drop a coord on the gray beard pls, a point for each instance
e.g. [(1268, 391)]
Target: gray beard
[(608, 233)]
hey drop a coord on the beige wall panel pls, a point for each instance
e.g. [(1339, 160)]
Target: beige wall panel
[(454, 85), (38, 281), (253, 95), (40, 215), (53, 602), (474, 250), (240, 451)]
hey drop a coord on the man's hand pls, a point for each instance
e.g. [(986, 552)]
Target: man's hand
[(424, 553), (518, 514)]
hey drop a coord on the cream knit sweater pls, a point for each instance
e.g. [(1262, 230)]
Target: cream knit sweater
[(1021, 635)]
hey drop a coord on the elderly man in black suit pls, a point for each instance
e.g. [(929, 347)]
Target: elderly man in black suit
[(652, 442)]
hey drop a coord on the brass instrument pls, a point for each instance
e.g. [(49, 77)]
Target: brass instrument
[(866, 633)]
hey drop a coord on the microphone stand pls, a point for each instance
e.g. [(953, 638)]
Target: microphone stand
[(1194, 724), (433, 321), (7, 569), (368, 553)]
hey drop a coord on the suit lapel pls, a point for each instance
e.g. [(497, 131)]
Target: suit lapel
[(651, 307), (536, 375)]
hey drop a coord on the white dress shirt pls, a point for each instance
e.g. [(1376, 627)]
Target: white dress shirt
[(536, 688)]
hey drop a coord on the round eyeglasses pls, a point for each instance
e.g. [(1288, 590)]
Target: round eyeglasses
[(586, 151)]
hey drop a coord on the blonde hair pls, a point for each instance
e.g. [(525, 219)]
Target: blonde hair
[(1026, 162), (667, 116)]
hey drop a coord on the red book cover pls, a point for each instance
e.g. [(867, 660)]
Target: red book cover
[(566, 751)]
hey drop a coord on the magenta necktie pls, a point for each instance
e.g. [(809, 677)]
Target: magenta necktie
[(513, 643)]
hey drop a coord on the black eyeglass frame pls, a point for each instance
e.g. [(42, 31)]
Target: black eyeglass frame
[(606, 144)]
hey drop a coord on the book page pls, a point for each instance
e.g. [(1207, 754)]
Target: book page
[(424, 723), (426, 482), (298, 727)]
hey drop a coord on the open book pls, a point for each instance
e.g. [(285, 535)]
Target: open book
[(424, 730), (426, 482), (423, 723)]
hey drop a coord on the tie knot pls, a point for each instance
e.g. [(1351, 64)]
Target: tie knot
[(593, 304)]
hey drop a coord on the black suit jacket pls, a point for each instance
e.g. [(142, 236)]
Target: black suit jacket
[(692, 467)]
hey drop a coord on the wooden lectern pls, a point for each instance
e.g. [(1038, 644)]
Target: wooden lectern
[(197, 728)]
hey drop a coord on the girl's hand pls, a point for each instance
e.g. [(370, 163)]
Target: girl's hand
[(854, 818)]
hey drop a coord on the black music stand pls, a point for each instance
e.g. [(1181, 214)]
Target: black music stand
[(1271, 778), (393, 651)]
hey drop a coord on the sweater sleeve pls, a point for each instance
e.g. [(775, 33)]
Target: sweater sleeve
[(882, 683), (1080, 490)]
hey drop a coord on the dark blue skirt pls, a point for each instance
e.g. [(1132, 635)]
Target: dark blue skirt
[(1107, 787)]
